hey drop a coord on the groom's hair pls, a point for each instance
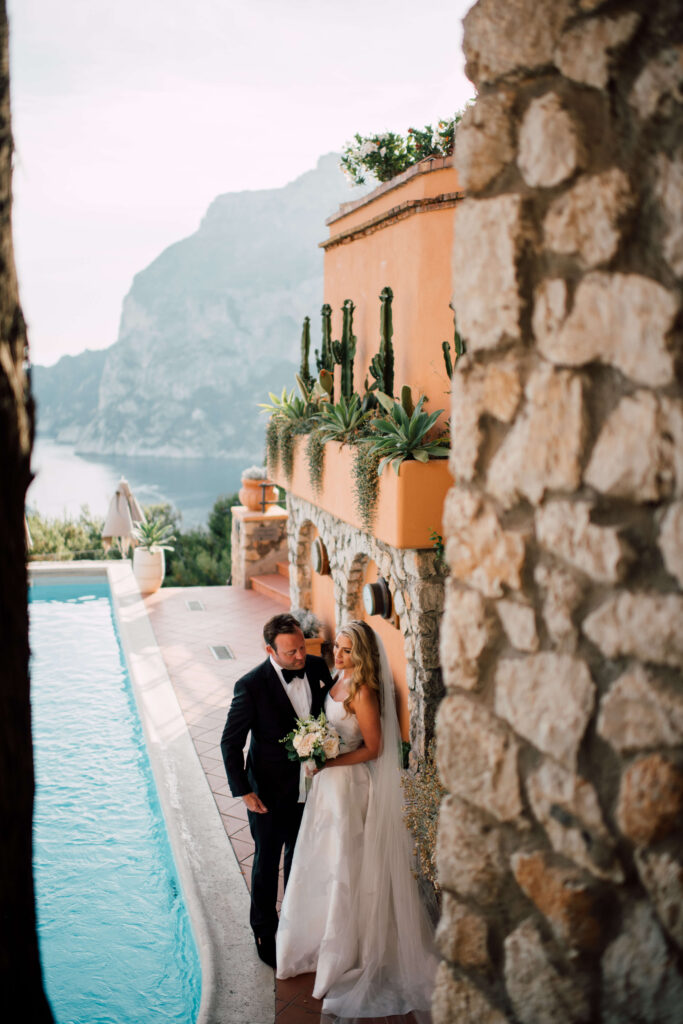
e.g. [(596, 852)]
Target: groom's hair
[(283, 623)]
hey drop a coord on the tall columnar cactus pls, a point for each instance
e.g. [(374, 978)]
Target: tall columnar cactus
[(345, 350), (458, 345), (382, 365), (324, 360), (446, 347), (304, 370)]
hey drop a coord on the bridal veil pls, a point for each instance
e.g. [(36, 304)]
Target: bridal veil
[(397, 963)]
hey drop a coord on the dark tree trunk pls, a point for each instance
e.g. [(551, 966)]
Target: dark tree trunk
[(20, 972)]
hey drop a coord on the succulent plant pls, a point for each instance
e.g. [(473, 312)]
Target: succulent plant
[(255, 473), (405, 437), (287, 406), (154, 534), (339, 422), (311, 625)]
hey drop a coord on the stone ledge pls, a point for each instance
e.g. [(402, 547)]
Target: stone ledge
[(446, 200), (426, 166)]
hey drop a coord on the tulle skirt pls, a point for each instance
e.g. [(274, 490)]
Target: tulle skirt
[(352, 913)]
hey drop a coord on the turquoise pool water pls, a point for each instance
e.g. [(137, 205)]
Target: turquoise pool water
[(115, 939)]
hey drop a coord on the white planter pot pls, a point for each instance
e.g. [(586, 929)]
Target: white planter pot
[(149, 568)]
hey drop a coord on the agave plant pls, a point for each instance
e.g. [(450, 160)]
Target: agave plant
[(288, 406), (404, 437), (339, 422), (154, 534)]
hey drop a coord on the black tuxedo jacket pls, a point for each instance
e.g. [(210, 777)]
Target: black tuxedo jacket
[(260, 705)]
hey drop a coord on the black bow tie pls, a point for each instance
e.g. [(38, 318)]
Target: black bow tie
[(290, 673)]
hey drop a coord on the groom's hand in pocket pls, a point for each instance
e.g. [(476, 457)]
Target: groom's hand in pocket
[(254, 804)]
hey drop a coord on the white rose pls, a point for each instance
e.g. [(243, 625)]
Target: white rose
[(331, 746), (306, 746), (296, 742)]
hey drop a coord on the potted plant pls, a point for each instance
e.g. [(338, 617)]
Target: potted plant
[(385, 155), (251, 492), (154, 536), (312, 628)]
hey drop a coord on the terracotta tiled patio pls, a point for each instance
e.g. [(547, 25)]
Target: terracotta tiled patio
[(231, 618)]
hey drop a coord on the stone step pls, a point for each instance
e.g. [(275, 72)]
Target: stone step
[(273, 585), (283, 569)]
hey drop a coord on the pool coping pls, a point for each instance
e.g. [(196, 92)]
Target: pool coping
[(236, 987)]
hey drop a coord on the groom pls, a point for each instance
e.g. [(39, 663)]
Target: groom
[(267, 701)]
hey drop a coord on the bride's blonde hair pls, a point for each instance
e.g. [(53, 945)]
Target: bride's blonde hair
[(364, 658)]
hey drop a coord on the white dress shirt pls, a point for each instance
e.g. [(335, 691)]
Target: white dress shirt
[(298, 691)]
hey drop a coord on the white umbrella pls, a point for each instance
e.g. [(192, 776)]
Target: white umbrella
[(123, 512)]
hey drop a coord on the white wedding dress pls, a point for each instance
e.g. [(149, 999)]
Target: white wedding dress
[(352, 912)]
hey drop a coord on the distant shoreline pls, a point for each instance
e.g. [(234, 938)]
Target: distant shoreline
[(66, 481)]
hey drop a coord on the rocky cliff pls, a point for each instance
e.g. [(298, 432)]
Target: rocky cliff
[(67, 394), (206, 330)]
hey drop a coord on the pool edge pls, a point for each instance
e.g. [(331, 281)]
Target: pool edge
[(236, 987)]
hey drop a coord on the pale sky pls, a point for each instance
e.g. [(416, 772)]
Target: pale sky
[(131, 116)]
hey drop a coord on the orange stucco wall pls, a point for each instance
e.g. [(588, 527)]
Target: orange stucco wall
[(412, 256), (322, 600), (322, 603)]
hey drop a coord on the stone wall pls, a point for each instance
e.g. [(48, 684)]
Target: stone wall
[(258, 541), (560, 739), (417, 592)]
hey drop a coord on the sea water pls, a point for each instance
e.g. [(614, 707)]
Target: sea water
[(115, 939), (65, 481)]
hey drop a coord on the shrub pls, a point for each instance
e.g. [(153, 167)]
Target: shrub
[(65, 539), (385, 155)]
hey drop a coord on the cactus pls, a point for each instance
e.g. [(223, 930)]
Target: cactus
[(382, 365), (458, 345), (369, 402), (324, 360), (324, 384), (446, 346), (407, 400), (345, 350), (304, 371), (388, 402)]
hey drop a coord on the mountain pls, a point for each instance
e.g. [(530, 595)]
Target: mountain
[(67, 393), (206, 331)]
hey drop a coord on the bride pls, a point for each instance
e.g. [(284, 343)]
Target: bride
[(351, 911)]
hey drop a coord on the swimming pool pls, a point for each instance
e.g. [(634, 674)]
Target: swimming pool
[(116, 942)]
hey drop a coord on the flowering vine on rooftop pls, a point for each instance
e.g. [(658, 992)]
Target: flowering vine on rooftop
[(387, 154)]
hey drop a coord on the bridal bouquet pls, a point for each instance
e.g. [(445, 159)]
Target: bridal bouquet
[(311, 743)]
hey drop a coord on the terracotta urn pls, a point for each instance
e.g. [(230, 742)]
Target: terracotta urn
[(314, 645), (251, 493)]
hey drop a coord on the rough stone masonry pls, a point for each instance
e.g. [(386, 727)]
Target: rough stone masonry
[(560, 739)]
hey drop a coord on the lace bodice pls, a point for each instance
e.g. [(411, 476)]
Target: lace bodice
[(346, 724)]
